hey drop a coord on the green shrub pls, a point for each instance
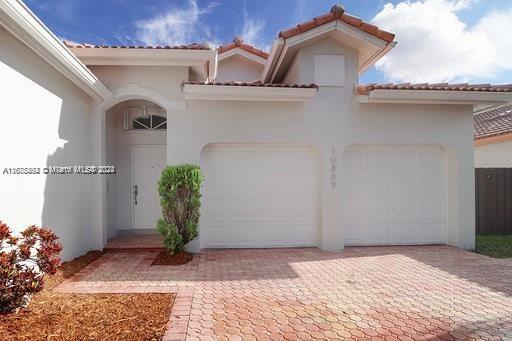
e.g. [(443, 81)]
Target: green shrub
[(179, 189)]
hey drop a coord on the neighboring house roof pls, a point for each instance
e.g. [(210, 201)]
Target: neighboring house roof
[(258, 84), (366, 89), (493, 122), (193, 46), (238, 42), (337, 13)]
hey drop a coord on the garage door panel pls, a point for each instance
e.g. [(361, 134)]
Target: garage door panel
[(353, 159), (392, 194), (246, 160), (271, 209), (218, 234), (404, 233), (356, 210), (272, 160), (405, 181), (218, 160), (303, 233), (379, 159), (300, 209), (354, 234), (247, 235), (379, 182), (272, 184), (217, 209), (299, 182), (271, 196), (405, 158), (245, 184), (303, 160), (406, 208), (433, 233), (380, 232), (433, 208), (218, 183), (380, 209), (243, 208), (274, 234), (355, 182)]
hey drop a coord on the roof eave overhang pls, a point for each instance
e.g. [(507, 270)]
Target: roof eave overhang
[(283, 47), (246, 93), (22, 23), (435, 97), (241, 52), (205, 60), (493, 139)]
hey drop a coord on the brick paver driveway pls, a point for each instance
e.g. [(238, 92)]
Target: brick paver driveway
[(379, 292)]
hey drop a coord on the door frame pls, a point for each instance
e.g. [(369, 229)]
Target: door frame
[(133, 147)]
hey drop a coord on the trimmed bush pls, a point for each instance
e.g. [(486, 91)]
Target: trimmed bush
[(179, 189), (23, 262)]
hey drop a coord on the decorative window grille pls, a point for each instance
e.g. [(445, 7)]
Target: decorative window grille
[(145, 119)]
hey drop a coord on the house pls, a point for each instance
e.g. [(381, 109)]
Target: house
[(493, 137), (493, 170), (294, 150)]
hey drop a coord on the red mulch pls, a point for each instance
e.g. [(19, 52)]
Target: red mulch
[(167, 258), (57, 316)]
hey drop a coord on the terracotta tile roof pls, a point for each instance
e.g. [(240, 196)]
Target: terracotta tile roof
[(337, 13), (194, 46), (366, 89), (493, 122), (238, 42), (258, 84)]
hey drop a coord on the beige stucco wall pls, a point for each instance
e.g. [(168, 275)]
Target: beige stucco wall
[(45, 121), (495, 155), (238, 68), (164, 79), (332, 119)]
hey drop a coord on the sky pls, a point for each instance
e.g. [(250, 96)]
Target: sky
[(438, 40)]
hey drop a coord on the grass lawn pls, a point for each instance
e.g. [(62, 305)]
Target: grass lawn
[(494, 246)]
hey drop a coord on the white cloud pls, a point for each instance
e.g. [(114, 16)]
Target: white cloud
[(252, 31), (495, 26), (434, 45), (177, 26)]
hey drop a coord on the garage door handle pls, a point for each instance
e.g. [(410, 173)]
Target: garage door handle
[(135, 193)]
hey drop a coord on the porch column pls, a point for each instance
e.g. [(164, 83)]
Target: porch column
[(98, 192)]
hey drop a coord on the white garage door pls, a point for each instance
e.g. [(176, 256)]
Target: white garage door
[(394, 195), (259, 196)]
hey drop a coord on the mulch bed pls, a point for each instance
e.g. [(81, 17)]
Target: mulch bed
[(167, 258), (57, 316)]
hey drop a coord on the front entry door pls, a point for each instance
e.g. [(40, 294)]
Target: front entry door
[(148, 163)]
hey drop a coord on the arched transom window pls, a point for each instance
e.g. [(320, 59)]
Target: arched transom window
[(145, 118)]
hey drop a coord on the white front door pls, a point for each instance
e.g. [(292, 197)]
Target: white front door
[(148, 163), (260, 196), (394, 195)]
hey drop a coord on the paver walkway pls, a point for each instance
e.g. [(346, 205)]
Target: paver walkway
[(373, 292)]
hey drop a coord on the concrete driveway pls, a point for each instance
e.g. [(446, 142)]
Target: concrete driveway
[(373, 292)]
